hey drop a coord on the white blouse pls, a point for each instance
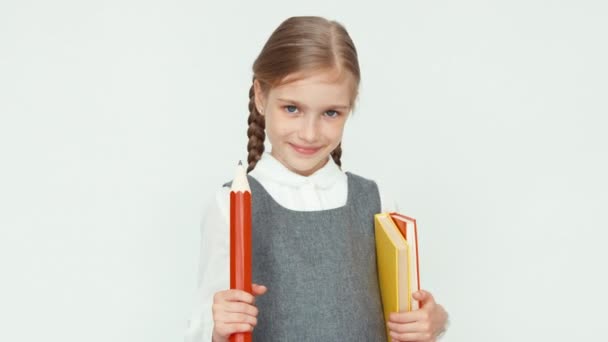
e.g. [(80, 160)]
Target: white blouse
[(325, 189)]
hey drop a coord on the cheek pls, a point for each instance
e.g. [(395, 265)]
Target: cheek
[(334, 132), (276, 128)]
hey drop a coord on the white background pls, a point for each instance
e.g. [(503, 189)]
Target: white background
[(119, 120)]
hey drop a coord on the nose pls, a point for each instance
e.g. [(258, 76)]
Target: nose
[(309, 128)]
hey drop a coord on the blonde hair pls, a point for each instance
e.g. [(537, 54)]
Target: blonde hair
[(299, 44)]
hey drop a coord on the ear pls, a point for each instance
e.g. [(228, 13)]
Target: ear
[(260, 97)]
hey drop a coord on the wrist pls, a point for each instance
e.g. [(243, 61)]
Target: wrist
[(216, 338), (441, 332)]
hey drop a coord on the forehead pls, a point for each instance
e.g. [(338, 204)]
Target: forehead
[(321, 88)]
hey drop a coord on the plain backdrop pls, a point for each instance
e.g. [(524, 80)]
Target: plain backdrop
[(120, 119)]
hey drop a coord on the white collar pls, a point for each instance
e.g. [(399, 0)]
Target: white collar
[(268, 168)]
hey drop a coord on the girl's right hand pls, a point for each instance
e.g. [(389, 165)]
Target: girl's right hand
[(234, 311)]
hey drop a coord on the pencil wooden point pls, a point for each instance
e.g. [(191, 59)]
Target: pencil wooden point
[(240, 183)]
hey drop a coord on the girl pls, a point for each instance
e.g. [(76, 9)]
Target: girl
[(313, 232)]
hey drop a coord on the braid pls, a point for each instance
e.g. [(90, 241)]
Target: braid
[(255, 132), (336, 154)]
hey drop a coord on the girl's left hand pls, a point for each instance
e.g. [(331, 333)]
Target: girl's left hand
[(424, 324)]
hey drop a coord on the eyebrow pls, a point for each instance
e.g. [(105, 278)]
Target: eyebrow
[(301, 105)]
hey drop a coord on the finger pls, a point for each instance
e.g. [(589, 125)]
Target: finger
[(258, 289), (227, 329), (407, 316), (419, 295), (235, 317), (410, 336), (237, 307), (233, 296), (416, 327), (424, 297)]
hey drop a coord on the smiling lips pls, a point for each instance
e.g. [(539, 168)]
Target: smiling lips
[(305, 150)]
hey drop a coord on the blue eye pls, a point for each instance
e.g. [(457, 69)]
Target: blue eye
[(332, 113), (291, 109)]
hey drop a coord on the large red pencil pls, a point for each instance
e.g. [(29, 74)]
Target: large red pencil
[(240, 239)]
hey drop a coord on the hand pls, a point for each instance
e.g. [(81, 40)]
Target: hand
[(234, 311), (424, 324)]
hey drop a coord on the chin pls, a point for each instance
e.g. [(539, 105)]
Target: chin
[(308, 167)]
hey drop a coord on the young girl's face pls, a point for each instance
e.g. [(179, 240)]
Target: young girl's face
[(305, 118)]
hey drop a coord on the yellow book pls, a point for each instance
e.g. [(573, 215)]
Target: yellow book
[(392, 256)]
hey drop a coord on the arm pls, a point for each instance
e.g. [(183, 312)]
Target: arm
[(219, 311), (213, 273), (425, 324)]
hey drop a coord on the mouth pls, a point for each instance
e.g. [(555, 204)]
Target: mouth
[(306, 150)]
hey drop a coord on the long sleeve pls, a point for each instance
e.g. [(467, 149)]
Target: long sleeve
[(213, 273), (387, 201)]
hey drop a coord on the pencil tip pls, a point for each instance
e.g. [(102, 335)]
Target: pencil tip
[(240, 163)]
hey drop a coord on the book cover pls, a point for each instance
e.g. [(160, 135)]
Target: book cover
[(393, 266)]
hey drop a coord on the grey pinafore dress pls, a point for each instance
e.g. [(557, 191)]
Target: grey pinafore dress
[(319, 268)]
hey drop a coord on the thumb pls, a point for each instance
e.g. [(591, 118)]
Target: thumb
[(423, 297), (258, 289)]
